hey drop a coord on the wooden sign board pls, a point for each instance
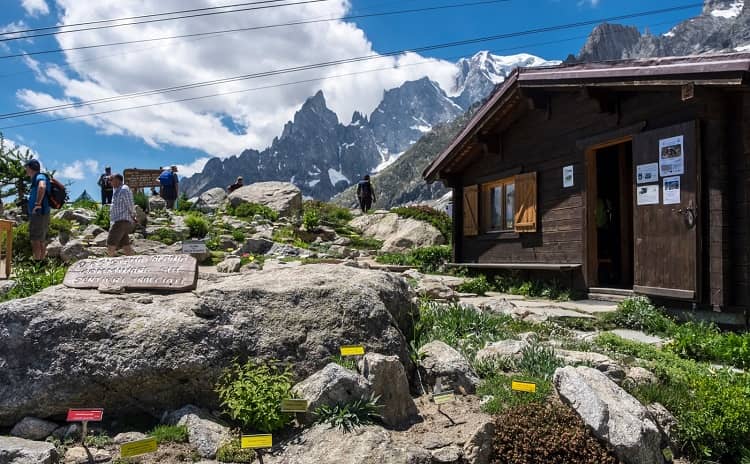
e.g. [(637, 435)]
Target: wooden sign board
[(294, 405), (136, 448), (352, 350), (155, 272), (138, 179), (256, 441), (444, 397), (85, 415), (527, 387), (194, 247)]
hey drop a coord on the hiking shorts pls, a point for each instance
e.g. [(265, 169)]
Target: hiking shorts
[(38, 227), (119, 234)]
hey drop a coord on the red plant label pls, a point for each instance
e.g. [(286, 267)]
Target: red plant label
[(85, 415)]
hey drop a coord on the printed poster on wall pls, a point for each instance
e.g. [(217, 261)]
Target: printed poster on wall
[(648, 194), (568, 176), (672, 190), (671, 156), (647, 173)]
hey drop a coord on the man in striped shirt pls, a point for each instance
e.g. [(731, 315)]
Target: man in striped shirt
[(121, 218)]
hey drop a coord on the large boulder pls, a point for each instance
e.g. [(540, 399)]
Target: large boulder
[(331, 386), (440, 361), (74, 250), (32, 428), (282, 197), (211, 200), (611, 413), (205, 433), (389, 382), (80, 215), (19, 451), (365, 445), (66, 347), (399, 234)]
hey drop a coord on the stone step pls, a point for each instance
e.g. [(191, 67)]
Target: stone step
[(610, 294)]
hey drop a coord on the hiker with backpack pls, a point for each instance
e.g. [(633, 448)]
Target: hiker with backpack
[(169, 186), (365, 194), (121, 217), (105, 184), (46, 193)]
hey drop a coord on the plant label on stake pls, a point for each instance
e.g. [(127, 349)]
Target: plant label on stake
[(527, 387), (84, 416), (257, 443), (352, 350), (294, 405), (136, 448), (441, 397)]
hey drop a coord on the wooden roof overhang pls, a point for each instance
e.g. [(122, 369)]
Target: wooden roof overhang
[(727, 70)]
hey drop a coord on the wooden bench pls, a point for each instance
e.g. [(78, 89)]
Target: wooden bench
[(520, 266)]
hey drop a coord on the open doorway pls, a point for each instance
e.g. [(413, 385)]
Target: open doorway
[(613, 216)]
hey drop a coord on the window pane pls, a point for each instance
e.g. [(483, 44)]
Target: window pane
[(496, 208), (510, 210)]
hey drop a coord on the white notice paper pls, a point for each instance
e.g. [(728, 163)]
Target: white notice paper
[(671, 156), (672, 190), (568, 176), (648, 194), (647, 173)]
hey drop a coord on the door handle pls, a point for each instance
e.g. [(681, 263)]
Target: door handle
[(689, 215)]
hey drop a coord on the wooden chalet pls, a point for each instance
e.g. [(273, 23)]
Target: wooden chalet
[(629, 175)]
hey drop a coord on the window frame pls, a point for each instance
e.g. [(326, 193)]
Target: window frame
[(486, 207)]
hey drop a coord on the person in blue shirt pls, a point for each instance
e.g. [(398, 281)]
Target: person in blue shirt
[(39, 211), (365, 194)]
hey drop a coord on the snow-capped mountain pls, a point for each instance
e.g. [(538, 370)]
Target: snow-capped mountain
[(323, 157)]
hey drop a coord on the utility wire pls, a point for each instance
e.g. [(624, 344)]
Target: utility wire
[(197, 15), (334, 63), (101, 21), (257, 28), (286, 84)]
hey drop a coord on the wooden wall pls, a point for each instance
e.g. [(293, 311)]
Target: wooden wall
[(740, 204)]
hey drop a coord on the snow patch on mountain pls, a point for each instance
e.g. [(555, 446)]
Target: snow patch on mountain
[(733, 11), (335, 176)]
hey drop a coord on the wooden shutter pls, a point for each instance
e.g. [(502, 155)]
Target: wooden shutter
[(526, 204), (471, 208)]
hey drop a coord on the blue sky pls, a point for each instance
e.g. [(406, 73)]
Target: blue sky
[(185, 133)]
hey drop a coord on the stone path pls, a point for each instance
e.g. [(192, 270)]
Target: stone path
[(543, 309)]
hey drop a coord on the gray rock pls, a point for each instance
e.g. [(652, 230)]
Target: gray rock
[(478, 449), (19, 451), (436, 290), (79, 215), (74, 250), (639, 376), (257, 245), (70, 431), (388, 378), (100, 240), (441, 360), (6, 286), (611, 413), (333, 385), (398, 234), (365, 445), (667, 425), (205, 432), (54, 248), (32, 428), (93, 231), (127, 437), (170, 356), (283, 197), (81, 455), (140, 216), (229, 265), (211, 200), (156, 203), (502, 349), (447, 455)]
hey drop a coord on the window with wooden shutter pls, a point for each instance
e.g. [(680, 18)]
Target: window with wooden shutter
[(526, 203), (471, 218)]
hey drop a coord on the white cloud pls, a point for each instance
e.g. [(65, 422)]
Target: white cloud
[(79, 170), (593, 3), (35, 7), (187, 170), (14, 26), (198, 124)]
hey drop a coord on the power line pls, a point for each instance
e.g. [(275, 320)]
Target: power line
[(101, 21), (197, 15), (257, 28), (335, 62)]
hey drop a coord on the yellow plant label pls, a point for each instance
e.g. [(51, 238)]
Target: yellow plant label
[(523, 387), (352, 350), (445, 397), (136, 448), (256, 441), (293, 405)]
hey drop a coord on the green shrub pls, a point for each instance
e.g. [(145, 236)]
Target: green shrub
[(539, 361), (347, 362), (311, 219), (499, 388), (365, 243), (250, 210), (165, 235), (197, 224), (238, 235), (59, 226), (183, 204), (478, 285), (251, 394), (439, 219), (231, 451), (97, 440), (83, 203), (638, 313), (32, 277), (21, 243), (141, 199), (170, 433), (705, 342), (349, 416), (546, 434), (512, 284), (428, 259), (329, 214), (102, 217)]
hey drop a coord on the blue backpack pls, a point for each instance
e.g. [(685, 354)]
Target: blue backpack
[(166, 179)]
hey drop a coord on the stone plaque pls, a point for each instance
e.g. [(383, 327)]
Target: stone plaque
[(155, 272), (141, 178)]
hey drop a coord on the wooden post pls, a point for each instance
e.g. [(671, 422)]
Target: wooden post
[(7, 228)]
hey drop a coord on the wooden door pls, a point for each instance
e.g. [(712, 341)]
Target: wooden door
[(667, 236)]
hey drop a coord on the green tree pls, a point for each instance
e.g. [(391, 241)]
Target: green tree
[(13, 180)]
